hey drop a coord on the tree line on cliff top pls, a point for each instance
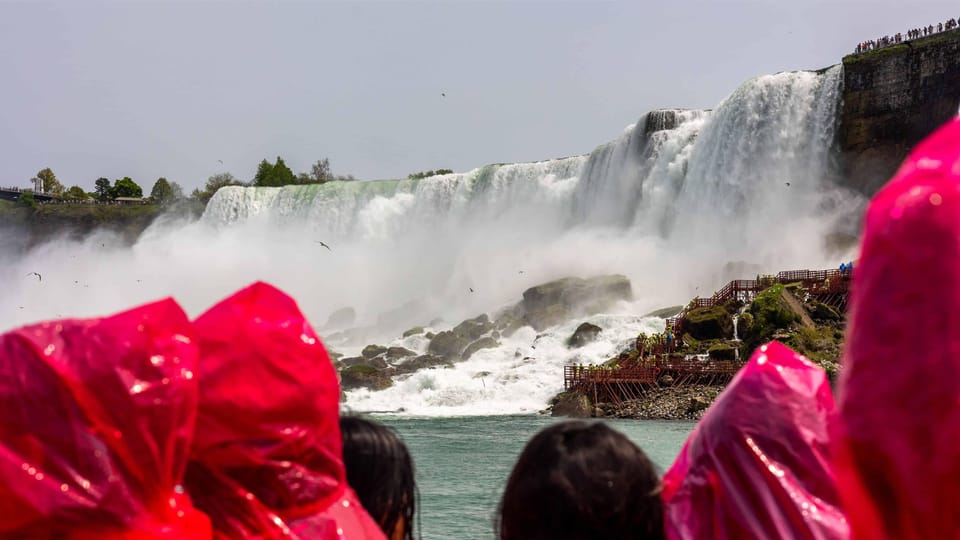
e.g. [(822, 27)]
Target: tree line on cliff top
[(165, 192)]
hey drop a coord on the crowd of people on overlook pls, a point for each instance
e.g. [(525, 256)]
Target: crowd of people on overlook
[(901, 37), (147, 425)]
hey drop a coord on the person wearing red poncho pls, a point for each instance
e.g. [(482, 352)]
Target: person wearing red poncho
[(757, 465), (266, 461), (96, 424), (897, 435)]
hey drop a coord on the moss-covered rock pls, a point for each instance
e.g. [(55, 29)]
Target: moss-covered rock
[(424, 361), (709, 323), (823, 312), (447, 344), (352, 361), (363, 376), (552, 303), (585, 333), (472, 329), (487, 342), (397, 353), (722, 351), (373, 351), (769, 313), (572, 405), (416, 330)]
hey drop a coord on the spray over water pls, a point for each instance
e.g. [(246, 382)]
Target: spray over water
[(669, 204)]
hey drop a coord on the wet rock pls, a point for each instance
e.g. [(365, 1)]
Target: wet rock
[(396, 353), (448, 344), (552, 303), (572, 405), (722, 351), (585, 333), (823, 312), (665, 313), (709, 323), (425, 361), (353, 361), (341, 318), (362, 376), (378, 363), (416, 330), (373, 351), (688, 402), (482, 343), (472, 329), (666, 380), (698, 403)]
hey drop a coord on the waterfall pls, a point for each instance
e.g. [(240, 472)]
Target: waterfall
[(748, 181), (677, 196)]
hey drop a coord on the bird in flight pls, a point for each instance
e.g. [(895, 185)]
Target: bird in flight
[(221, 161), (788, 184), (520, 271), (471, 289), (39, 277), (323, 244), (443, 94)]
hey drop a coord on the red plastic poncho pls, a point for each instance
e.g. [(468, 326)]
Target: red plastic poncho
[(757, 464), (267, 459), (96, 419), (897, 435)]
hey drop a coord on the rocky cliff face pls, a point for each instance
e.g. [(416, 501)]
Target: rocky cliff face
[(893, 98)]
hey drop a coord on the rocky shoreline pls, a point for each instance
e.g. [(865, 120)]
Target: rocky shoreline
[(688, 402)]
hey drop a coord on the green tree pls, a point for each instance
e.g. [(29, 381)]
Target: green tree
[(76, 193), (177, 190), (26, 200), (162, 193), (276, 174), (264, 175), (103, 190), (46, 182), (282, 175), (320, 171), (214, 183), (125, 187)]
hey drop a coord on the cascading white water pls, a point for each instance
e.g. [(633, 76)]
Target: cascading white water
[(679, 195)]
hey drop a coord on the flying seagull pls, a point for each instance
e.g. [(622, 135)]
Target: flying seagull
[(520, 271), (471, 289), (788, 184), (443, 94), (221, 161), (39, 277), (323, 244)]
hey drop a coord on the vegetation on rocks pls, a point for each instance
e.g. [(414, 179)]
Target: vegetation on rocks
[(364, 376), (714, 322)]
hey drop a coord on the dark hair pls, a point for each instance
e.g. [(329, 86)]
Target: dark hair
[(578, 480), (380, 470)]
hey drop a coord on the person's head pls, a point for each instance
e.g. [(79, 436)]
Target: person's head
[(581, 480), (380, 470)]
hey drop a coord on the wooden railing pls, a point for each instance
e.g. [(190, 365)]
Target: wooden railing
[(745, 290)]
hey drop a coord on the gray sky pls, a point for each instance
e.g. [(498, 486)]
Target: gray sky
[(150, 89)]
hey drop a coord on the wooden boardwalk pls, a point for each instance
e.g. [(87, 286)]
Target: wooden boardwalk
[(634, 378)]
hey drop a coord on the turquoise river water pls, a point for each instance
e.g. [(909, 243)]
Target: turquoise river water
[(463, 463)]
